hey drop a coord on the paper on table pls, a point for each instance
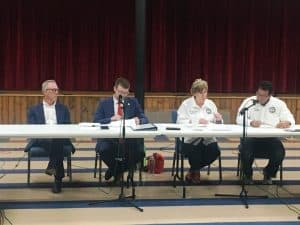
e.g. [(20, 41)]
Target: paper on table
[(220, 127), (196, 125), (143, 127), (265, 125), (293, 129), (128, 123), (87, 124)]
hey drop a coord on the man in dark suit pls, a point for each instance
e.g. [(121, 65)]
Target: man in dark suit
[(109, 110), (50, 111)]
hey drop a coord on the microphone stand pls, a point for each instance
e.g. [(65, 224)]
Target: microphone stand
[(122, 142), (121, 160), (244, 193)]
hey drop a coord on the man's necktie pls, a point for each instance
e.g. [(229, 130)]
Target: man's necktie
[(120, 110)]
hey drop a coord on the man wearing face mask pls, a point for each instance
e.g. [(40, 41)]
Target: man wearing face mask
[(111, 109), (198, 109), (269, 111), (50, 111)]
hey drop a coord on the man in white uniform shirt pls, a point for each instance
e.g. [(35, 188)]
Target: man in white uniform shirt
[(269, 111), (199, 110)]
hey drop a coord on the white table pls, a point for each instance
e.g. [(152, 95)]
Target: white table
[(74, 130)]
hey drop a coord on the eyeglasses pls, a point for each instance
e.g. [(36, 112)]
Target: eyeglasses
[(52, 89), (124, 93)]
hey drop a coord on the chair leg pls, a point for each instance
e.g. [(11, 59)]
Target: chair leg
[(280, 174), (238, 165), (28, 169), (208, 170), (68, 172), (173, 165), (96, 162), (100, 169), (220, 169), (69, 167), (178, 157), (141, 165)]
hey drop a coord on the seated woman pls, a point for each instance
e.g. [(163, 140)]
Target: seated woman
[(199, 110)]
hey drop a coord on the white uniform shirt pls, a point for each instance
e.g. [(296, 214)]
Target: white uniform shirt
[(49, 113), (190, 112), (270, 114)]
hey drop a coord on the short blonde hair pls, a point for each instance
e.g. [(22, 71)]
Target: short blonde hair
[(198, 86)]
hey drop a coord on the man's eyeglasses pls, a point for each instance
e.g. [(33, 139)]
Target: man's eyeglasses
[(52, 89), (124, 93)]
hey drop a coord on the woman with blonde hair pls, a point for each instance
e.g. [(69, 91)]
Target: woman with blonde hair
[(197, 109)]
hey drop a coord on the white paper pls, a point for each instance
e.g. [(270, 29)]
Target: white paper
[(87, 124), (119, 123), (295, 128)]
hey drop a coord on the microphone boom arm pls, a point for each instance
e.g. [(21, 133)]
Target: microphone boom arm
[(243, 110)]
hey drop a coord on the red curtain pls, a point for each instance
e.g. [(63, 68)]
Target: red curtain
[(85, 45), (233, 44)]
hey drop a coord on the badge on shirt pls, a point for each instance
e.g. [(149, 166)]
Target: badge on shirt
[(272, 109), (208, 111)]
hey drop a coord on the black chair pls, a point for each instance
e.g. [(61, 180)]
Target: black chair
[(98, 160), (176, 155), (39, 152), (261, 156)]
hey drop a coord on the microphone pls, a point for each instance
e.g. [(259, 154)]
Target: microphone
[(120, 99), (254, 102)]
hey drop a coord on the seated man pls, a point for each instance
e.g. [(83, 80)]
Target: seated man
[(111, 109), (51, 112), (269, 111)]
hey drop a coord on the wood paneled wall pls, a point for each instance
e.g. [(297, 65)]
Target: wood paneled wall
[(13, 106)]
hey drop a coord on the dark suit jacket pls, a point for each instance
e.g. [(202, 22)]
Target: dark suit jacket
[(105, 111), (36, 115)]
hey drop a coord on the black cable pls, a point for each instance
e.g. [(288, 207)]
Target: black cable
[(277, 196), (3, 217), (165, 148), (15, 167), (290, 193), (292, 206), (289, 206)]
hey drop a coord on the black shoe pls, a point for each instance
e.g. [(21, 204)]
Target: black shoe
[(108, 174), (267, 179), (56, 186), (50, 171)]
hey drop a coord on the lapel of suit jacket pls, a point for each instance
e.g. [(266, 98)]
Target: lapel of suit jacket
[(58, 111), (41, 113), (111, 106)]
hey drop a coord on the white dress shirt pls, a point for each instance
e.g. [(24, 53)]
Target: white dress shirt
[(270, 114), (116, 101), (49, 113)]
